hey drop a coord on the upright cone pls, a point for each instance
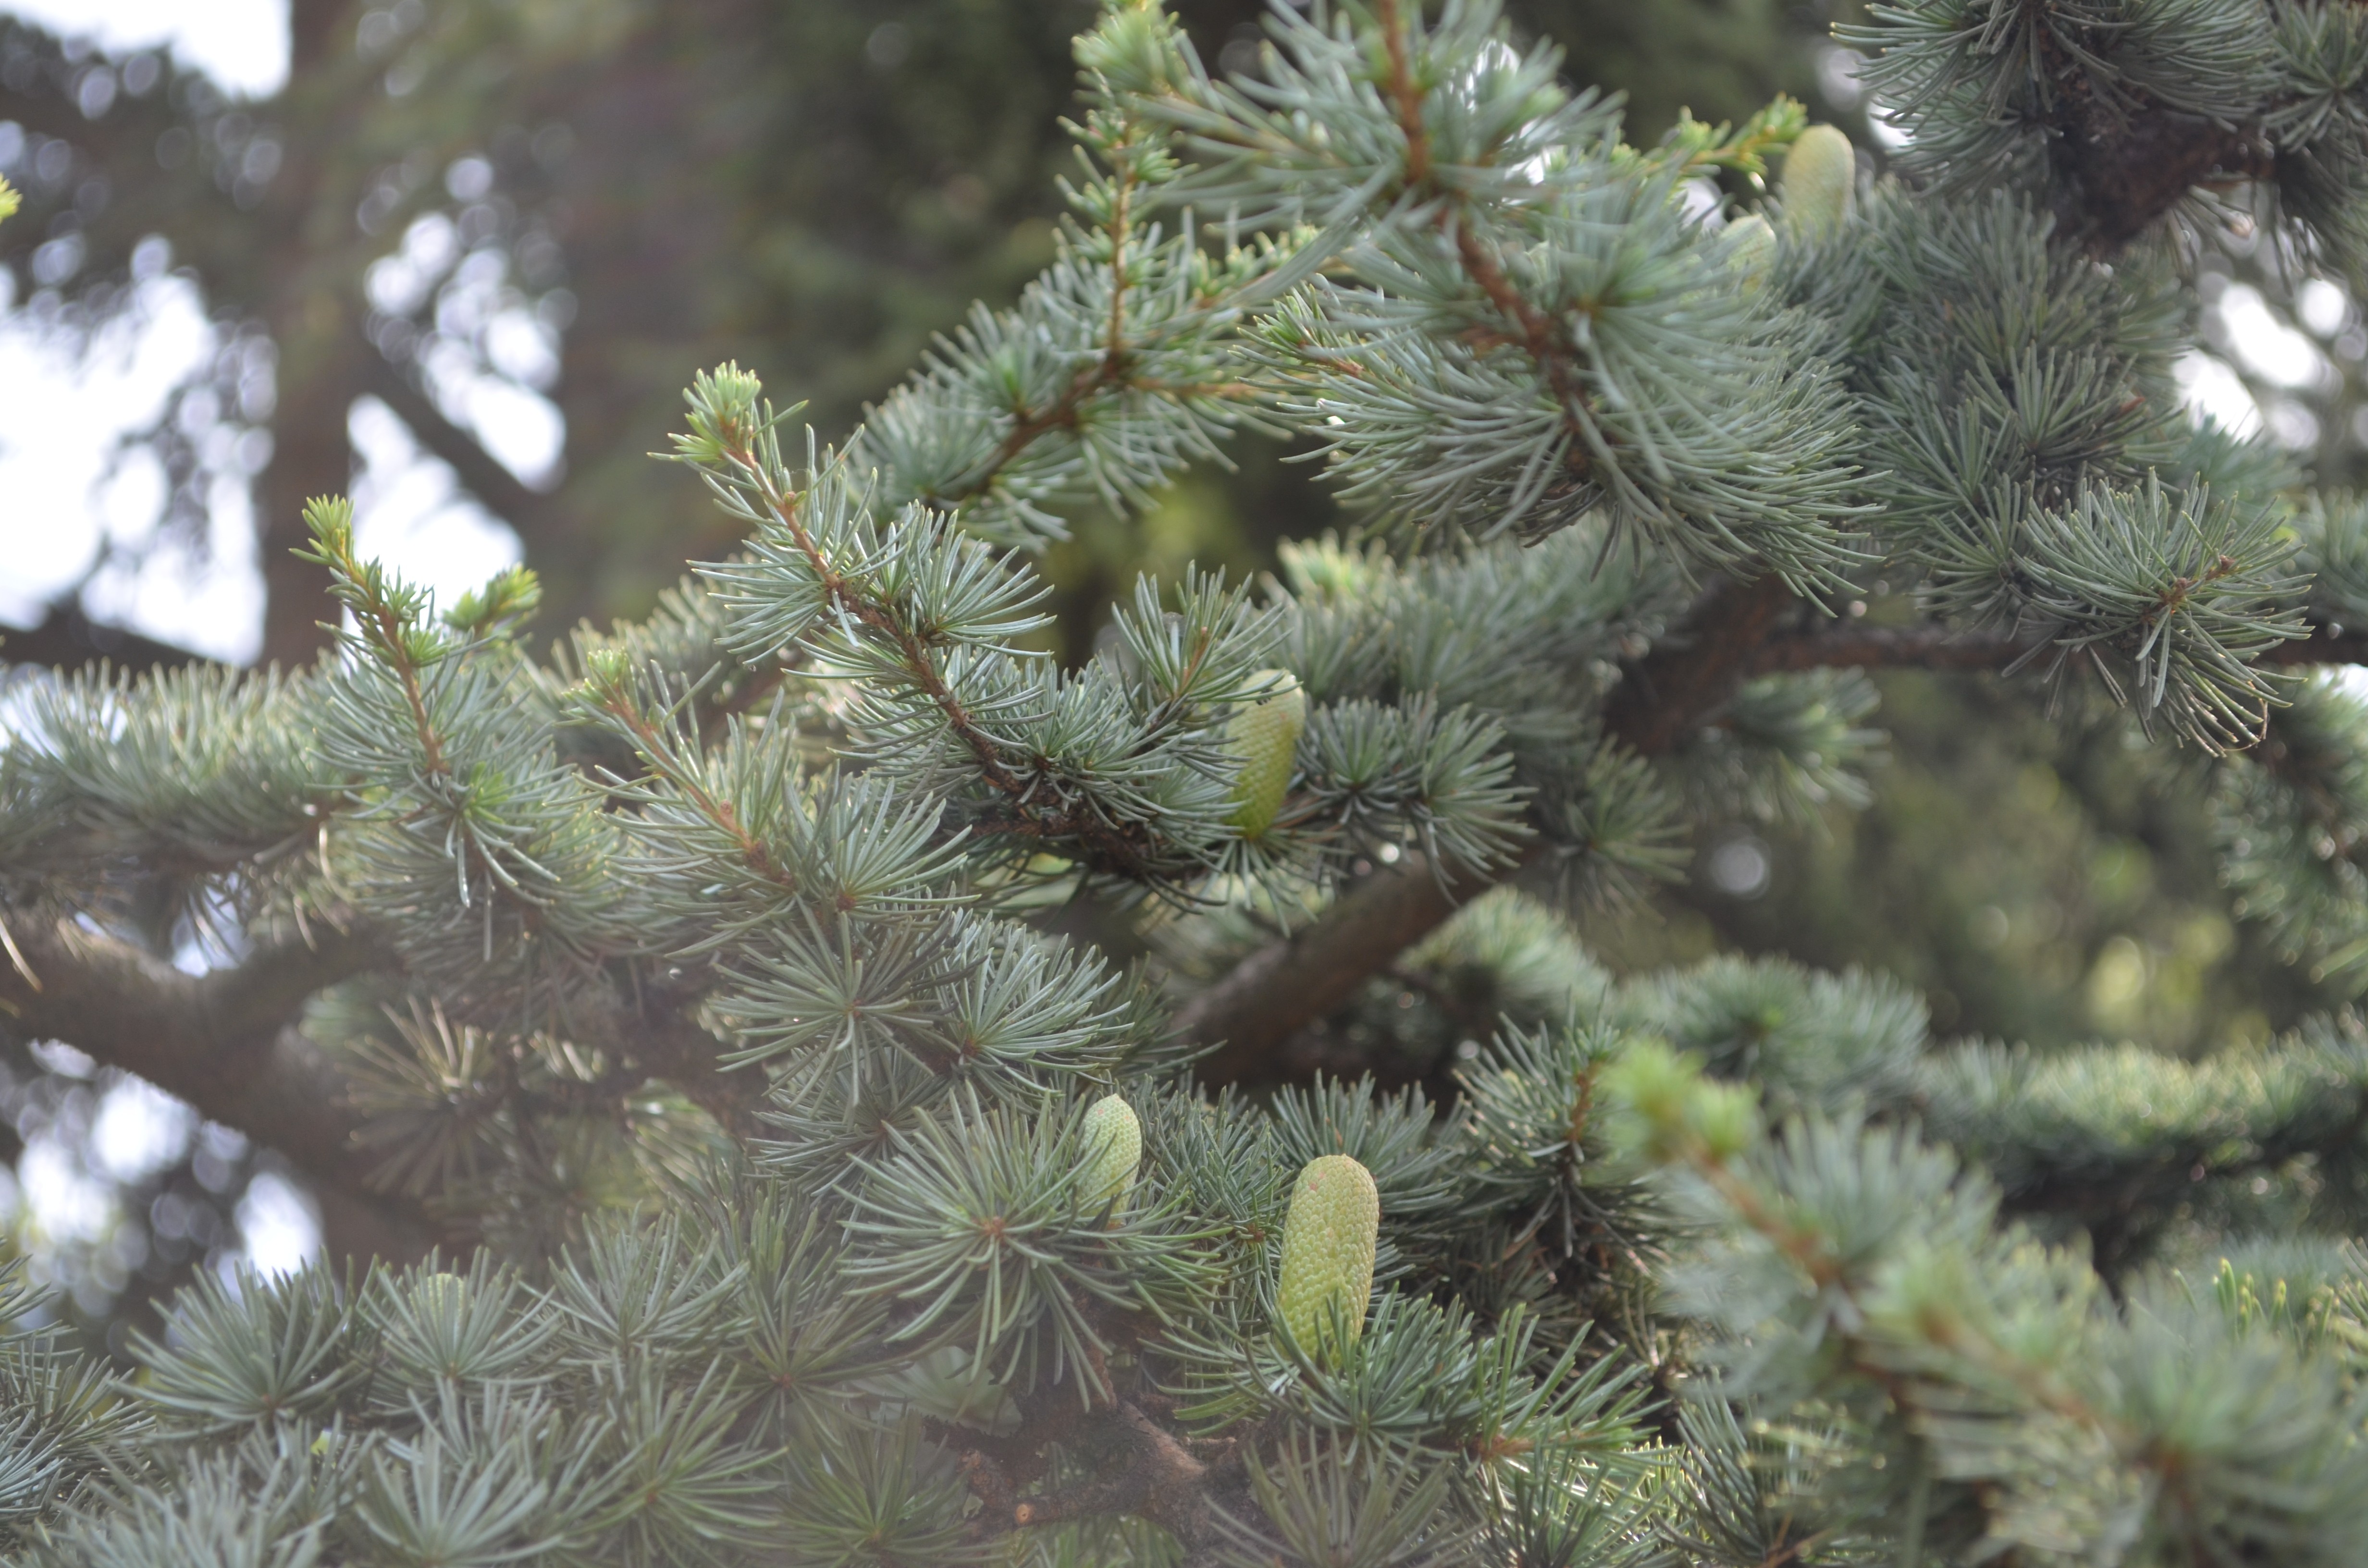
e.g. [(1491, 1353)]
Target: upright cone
[(1820, 181), (1263, 735), (1751, 248), (1113, 1139), (1327, 1254)]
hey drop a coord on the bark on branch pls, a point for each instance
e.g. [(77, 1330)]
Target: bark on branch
[(1730, 636), (67, 639), (225, 1041), (1154, 1476), (1939, 648), (1295, 980)]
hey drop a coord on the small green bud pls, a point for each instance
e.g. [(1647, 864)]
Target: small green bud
[(1133, 50), (1263, 736), (606, 668), (330, 519), (1113, 1139), (727, 394), (1656, 1085), (7, 200), (514, 591), (1683, 1115), (1327, 1254), (1726, 1117), (723, 404), (1820, 181)]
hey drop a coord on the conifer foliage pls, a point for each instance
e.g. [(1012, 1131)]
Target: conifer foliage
[(797, 1195)]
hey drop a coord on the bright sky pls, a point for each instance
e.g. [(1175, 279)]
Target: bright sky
[(70, 486), (57, 425), (243, 44)]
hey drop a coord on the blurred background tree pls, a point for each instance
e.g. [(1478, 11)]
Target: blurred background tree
[(506, 233), (463, 212)]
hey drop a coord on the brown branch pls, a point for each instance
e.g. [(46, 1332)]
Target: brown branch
[(68, 639), (2325, 645), (1295, 980), (665, 1038), (1812, 1253), (1727, 638), (1290, 982), (1887, 647), (1541, 337), (1405, 93), (1939, 648), (380, 618), (659, 759), (2120, 165), (226, 1042), (1030, 426), (1695, 668), (1159, 1480)]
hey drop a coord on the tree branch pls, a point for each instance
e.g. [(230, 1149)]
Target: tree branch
[(2118, 169), (2323, 646), (226, 1042), (1729, 637), (1295, 980), (1159, 1480), (1939, 648), (1696, 667), (1290, 982), (68, 639)]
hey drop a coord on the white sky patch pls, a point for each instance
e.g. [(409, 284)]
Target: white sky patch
[(2210, 385), (1701, 201), (398, 283), (410, 512), (140, 1131), (243, 44), (1838, 70), (2324, 307), (56, 1056), (60, 416), (208, 600), (521, 430), (60, 419), (1893, 137), (63, 1202), (279, 1224), (2270, 349)]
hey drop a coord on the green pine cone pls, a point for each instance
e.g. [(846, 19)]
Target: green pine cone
[(442, 1295), (1113, 1141), (1327, 1254), (1751, 244), (1820, 181), (1263, 736)]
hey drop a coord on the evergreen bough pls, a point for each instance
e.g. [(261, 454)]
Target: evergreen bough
[(802, 1198)]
